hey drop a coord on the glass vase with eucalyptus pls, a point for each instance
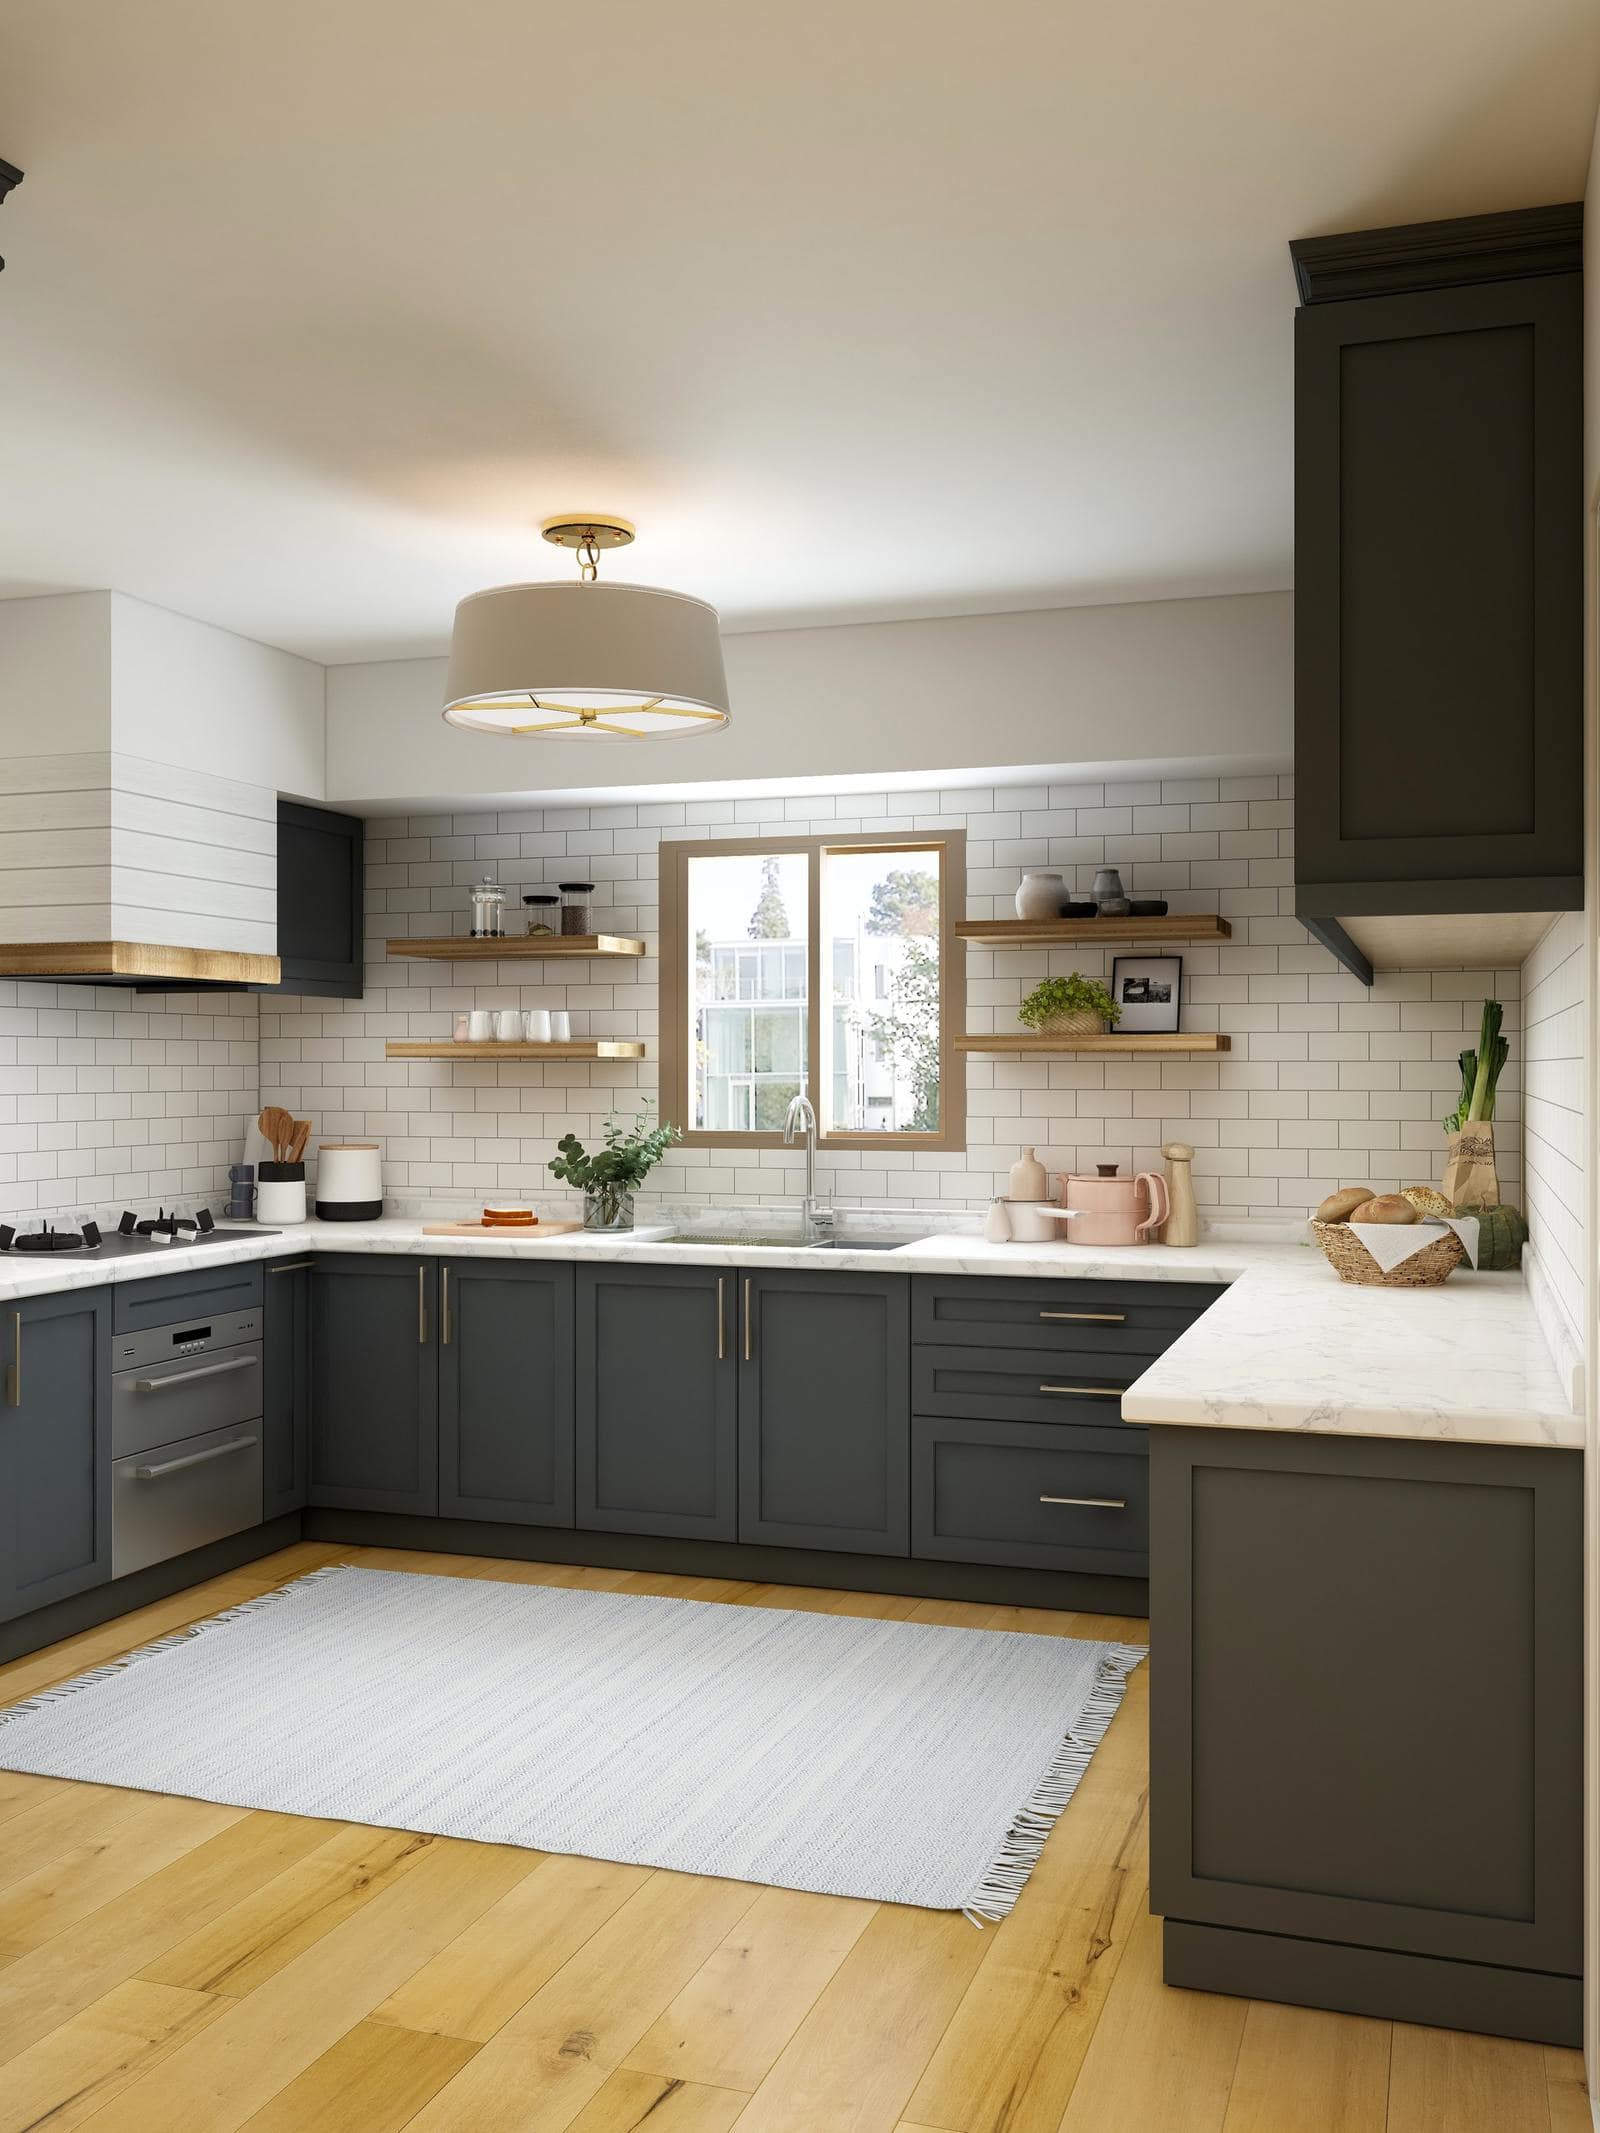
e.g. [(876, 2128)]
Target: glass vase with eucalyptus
[(609, 1178)]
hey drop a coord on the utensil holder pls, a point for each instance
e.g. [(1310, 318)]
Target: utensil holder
[(280, 1193)]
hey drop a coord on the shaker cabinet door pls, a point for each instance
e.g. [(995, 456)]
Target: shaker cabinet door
[(505, 1392), (656, 1379), (375, 1384), (55, 1448)]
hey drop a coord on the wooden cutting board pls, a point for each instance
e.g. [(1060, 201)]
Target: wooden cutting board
[(499, 1229)]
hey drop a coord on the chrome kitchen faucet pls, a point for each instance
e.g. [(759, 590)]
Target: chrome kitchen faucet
[(802, 1117)]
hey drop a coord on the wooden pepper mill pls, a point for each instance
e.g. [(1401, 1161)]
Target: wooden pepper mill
[(1182, 1226)]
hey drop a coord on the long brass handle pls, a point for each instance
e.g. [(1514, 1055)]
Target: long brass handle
[(1091, 1503), (1088, 1318), (1086, 1392), (444, 1307), (14, 1374), (722, 1324), (422, 1306), (749, 1327), (292, 1266), (206, 1370)]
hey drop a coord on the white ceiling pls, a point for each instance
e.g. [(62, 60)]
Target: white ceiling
[(868, 307)]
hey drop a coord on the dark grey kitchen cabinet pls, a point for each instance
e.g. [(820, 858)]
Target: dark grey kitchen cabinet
[(506, 1391), (1047, 1497), (321, 898), (55, 1449), (824, 1411), (1438, 572), (657, 1445), (286, 1385), (374, 1383), (1366, 1753)]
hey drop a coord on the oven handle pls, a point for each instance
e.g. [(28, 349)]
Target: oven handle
[(176, 1466), (189, 1377)]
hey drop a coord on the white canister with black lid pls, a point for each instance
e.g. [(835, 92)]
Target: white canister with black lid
[(349, 1181)]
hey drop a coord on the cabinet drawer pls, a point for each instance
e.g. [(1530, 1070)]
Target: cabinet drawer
[(205, 1293), (1047, 1499), (1024, 1385), (1115, 1317)]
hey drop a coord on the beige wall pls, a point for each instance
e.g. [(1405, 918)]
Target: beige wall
[(1150, 683)]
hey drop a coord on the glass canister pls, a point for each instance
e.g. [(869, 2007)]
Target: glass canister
[(544, 913), (577, 908), (488, 910)]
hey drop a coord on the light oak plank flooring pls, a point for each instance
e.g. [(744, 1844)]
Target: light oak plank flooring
[(165, 1964)]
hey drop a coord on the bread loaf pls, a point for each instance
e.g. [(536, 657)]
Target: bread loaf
[(1386, 1207), (1336, 1207)]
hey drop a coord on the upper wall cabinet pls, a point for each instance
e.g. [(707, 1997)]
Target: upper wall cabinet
[(321, 883), (1438, 587)]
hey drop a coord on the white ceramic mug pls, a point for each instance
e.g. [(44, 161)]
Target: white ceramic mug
[(480, 1025), (508, 1025), (537, 1024), (560, 1025)]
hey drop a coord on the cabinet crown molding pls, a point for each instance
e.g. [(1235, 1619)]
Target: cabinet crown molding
[(1455, 254)]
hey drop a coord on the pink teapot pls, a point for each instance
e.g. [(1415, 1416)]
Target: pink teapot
[(1106, 1209)]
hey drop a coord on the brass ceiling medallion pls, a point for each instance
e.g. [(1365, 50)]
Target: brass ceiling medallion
[(588, 661)]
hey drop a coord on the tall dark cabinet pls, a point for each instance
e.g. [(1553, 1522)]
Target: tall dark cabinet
[(1438, 573), (321, 897)]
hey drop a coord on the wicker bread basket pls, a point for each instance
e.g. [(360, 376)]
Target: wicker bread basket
[(1351, 1260)]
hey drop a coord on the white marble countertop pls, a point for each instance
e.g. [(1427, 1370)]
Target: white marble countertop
[(1288, 1347)]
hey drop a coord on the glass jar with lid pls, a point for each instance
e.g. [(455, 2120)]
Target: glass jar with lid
[(577, 908), (544, 912), (488, 910)]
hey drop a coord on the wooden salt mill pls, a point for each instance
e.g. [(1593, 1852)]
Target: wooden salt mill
[(1182, 1226)]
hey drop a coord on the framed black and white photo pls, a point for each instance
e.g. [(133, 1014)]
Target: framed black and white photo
[(1147, 988)]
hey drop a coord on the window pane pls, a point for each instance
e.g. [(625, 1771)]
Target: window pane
[(747, 923), (880, 915)]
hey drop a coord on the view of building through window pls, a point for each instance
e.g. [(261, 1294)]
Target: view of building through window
[(752, 979)]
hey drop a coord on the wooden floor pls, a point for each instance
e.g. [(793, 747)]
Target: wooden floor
[(169, 1965)]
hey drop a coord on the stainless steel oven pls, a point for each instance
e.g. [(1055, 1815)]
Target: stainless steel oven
[(185, 1437)]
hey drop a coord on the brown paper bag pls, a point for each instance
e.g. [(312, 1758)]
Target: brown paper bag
[(1470, 1179)]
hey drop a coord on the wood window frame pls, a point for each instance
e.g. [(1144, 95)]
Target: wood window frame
[(677, 946)]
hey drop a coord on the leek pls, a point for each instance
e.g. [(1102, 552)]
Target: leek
[(1480, 1072)]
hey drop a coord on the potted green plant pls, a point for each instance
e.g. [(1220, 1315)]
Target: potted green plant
[(1070, 1007), (609, 1178)]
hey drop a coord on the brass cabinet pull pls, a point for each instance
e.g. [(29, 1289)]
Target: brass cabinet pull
[(749, 1327), (1088, 1318), (14, 1374), (444, 1307), (293, 1266), (722, 1326), (1086, 1392), (422, 1306), (1090, 1503)]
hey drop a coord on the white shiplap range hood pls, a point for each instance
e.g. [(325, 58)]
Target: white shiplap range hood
[(122, 856)]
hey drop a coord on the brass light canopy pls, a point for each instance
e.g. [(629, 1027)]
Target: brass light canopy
[(585, 661)]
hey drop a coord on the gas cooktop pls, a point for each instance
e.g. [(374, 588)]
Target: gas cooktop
[(133, 1236)]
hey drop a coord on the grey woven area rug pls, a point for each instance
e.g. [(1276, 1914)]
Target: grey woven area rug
[(894, 1760)]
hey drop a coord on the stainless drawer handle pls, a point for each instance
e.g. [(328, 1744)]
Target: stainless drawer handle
[(292, 1266), (190, 1377), (1086, 1392), (1091, 1503), (176, 1466), (1088, 1318)]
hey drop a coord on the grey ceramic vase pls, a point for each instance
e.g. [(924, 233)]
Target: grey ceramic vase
[(1111, 899)]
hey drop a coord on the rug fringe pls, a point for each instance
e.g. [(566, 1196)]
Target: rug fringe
[(168, 1643), (995, 1896)]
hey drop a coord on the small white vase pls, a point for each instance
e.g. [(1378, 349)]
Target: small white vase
[(1041, 893)]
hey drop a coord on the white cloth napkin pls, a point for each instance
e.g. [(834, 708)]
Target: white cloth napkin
[(1393, 1243)]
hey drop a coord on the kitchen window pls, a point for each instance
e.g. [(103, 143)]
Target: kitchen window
[(828, 964)]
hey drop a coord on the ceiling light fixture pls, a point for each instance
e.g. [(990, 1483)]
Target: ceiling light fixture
[(601, 662)]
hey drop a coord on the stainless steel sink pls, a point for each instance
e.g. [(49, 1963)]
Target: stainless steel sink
[(787, 1242), (859, 1244)]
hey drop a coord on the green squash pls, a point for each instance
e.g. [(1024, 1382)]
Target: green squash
[(1501, 1235)]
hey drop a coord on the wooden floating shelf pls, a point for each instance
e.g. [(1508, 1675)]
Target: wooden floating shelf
[(1080, 932), (512, 947), (1136, 1041), (572, 1048)]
